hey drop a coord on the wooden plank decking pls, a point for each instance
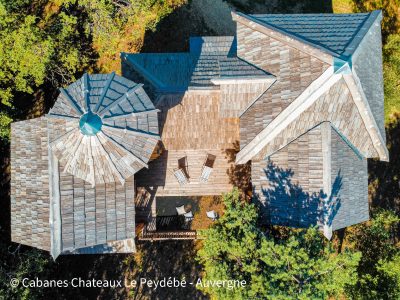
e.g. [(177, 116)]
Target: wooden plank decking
[(160, 176), (191, 127)]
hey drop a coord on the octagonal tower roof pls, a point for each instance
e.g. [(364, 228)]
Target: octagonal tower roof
[(104, 128)]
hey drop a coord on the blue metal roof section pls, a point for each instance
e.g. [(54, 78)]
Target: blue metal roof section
[(337, 34), (165, 71), (217, 45), (209, 58)]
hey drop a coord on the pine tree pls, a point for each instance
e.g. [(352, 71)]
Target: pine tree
[(302, 265)]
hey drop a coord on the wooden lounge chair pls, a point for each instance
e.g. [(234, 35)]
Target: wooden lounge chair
[(181, 172), (181, 176), (212, 215), (207, 167)]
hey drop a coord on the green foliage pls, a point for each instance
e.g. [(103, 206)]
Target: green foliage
[(389, 271), (300, 266), (392, 75), (28, 264), (376, 242), (46, 44), (32, 52), (5, 122), (306, 266), (119, 26), (230, 247), (390, 8), (24, 55)]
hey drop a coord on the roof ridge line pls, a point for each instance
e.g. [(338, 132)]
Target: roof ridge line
[(54, 199), (356, 40), (69, 132), (256, 98), (78, 109), (86, 88), (134, 132), (304, 100), (346, 140), (147, 75), (324, 54), (131, 114), (72, 159), (282, 31), (296, 138), (61, 117), (353, 83), (342, 136), (349, 49), (120, 99), (122, 147), (104, 92), (110, 161)]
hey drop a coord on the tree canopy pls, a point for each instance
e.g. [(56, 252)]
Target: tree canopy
[(378, 271), (25, 52), (47, 44), (301, 265)]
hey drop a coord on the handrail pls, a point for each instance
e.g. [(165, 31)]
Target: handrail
[(168, 235)]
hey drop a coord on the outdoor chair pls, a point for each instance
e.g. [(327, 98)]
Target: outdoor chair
[(207, 167), (181, 210), (181, 172), (212, 215), (188, 216), (181, 176)]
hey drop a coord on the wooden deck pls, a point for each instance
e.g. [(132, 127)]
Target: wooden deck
[(193, 121), (160, 177), (191, 127)]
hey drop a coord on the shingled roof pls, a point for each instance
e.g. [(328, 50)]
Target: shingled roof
[(209, 59), (72, 170), (112, 128), (339, 34), (30, 193), (265, 121), (328, 72), (317, 179)]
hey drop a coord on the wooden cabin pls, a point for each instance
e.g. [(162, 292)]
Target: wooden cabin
[(302, 95)]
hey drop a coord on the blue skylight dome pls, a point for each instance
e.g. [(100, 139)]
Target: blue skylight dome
[(90, 123)]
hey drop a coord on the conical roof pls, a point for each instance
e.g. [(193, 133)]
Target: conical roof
[(103, 128)]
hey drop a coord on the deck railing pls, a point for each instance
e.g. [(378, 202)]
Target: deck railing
[(168, 235)]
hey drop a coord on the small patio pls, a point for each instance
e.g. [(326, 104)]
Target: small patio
[(168, 224), (166, 208)]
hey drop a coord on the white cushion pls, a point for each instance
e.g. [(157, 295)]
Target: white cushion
[(211, 214), (189, 214), (181, 210)]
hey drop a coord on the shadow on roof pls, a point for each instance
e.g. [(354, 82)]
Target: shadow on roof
[(287, 204)]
